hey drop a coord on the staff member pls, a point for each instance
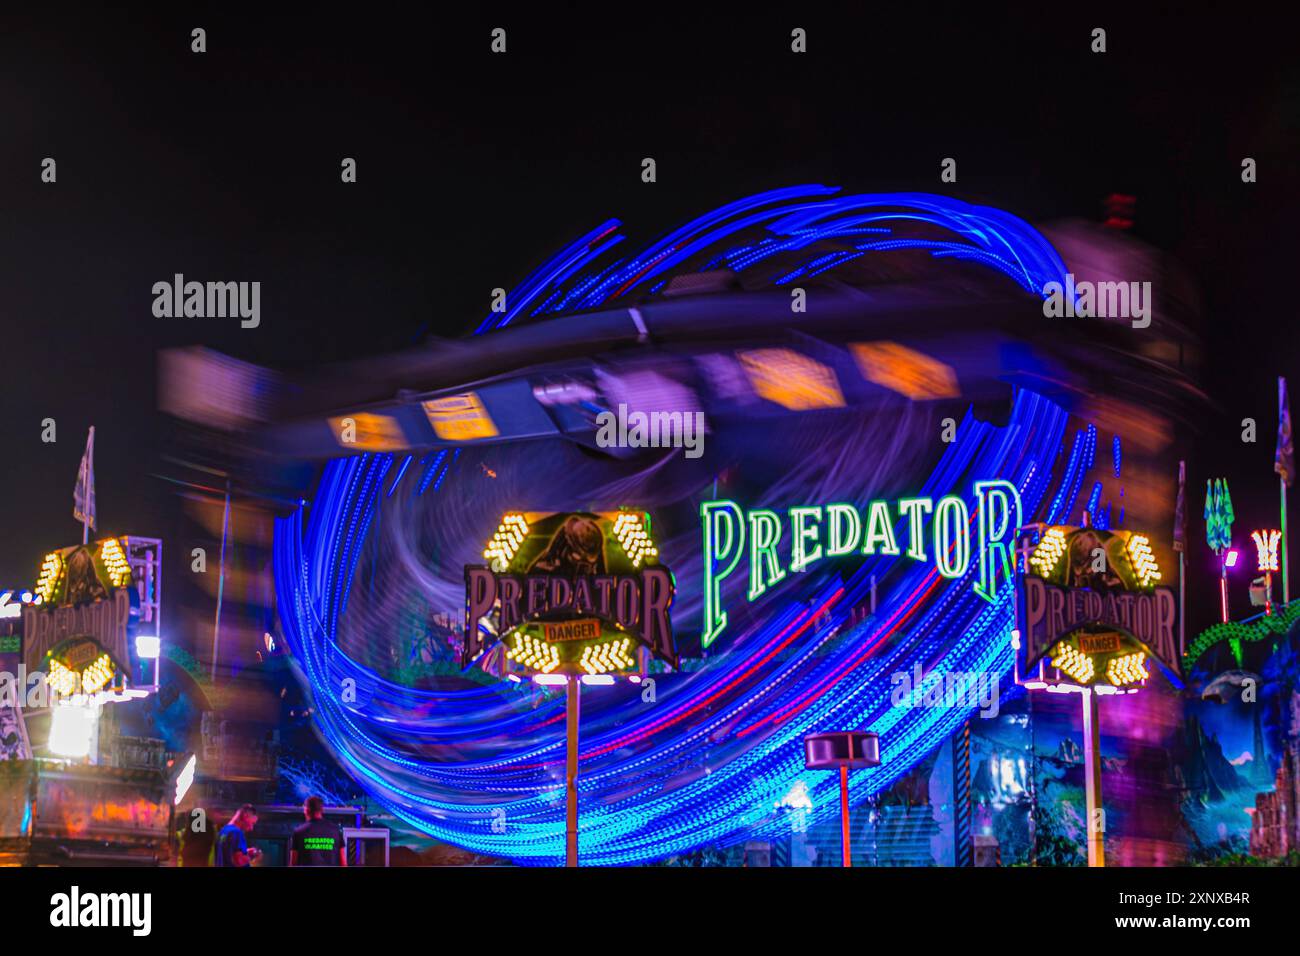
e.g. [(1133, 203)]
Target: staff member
[(231, 847), (317, 842)]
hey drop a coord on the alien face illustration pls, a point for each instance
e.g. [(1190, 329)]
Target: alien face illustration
[(577, 548), (1091, 570), (83, 585)]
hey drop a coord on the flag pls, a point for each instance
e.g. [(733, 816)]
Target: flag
[(1284, 460), (1211, 528), (1180, 510), (1219, 515), (83, 496)]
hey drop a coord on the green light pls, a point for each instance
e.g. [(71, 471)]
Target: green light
[(724, 525), (764, 536)]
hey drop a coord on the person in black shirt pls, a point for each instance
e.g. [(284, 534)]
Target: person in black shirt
[(317, 842)]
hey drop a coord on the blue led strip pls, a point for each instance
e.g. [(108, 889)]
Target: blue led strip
[(447, 800), (644, 788), (795, 218)]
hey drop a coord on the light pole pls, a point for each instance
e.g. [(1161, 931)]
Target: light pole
[(842, 750), (573, 710)]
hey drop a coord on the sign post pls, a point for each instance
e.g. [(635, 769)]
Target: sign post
[(1090, 614), (573, 712), (1092, 778), (572, 599), (842, 750)]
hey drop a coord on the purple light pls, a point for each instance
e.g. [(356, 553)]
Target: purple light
[(1230, 560)]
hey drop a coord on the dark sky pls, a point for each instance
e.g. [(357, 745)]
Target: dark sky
[(473, 167)]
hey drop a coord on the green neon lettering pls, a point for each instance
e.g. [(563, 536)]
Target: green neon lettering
[(880, 530), (993, 501), (764, 535), (724, 538), (838, 542), (915, 509), (800, 556), (951, 536)]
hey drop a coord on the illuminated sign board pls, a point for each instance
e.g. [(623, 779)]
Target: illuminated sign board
[(840, 530), (1266, 548), (459, 417), (83, 591), (1091, 606), (571, 593), (79, 666)]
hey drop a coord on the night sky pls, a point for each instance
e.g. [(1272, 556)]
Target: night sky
[(473, 167)]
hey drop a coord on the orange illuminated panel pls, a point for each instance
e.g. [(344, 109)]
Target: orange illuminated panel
[(791, 380), (1107, 643), (365, 431), (903, 370), (459, 417), (587, 629)]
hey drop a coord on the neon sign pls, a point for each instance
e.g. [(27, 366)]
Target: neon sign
[(839, 530), (1266, 546), (571, 594), (1090, 603)]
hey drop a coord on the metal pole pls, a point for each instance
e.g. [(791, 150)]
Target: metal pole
[(1286, 575), (149, 587), (572, 713), (844, 815), (1092, 779), (221, 584), (1182, 603), (1223, 586), (963, 838)]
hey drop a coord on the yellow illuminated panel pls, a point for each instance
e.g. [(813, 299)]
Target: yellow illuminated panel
[(1048, 552), (63, 680), (97, 675), (633, 538), (1144, 563), (791, 380), (1128, 669), (459, 417), (365, 431), (1069, 661), (606, 657), (534, 654), (510, 535), (119, 571), (51, 569), (903, 370)]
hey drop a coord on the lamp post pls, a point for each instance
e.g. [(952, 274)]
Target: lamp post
[(1218, 533), (573, 711), (842, 750), (560, 640), (1266, 546)]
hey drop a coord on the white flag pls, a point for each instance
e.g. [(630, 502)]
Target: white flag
[(83, 496)]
